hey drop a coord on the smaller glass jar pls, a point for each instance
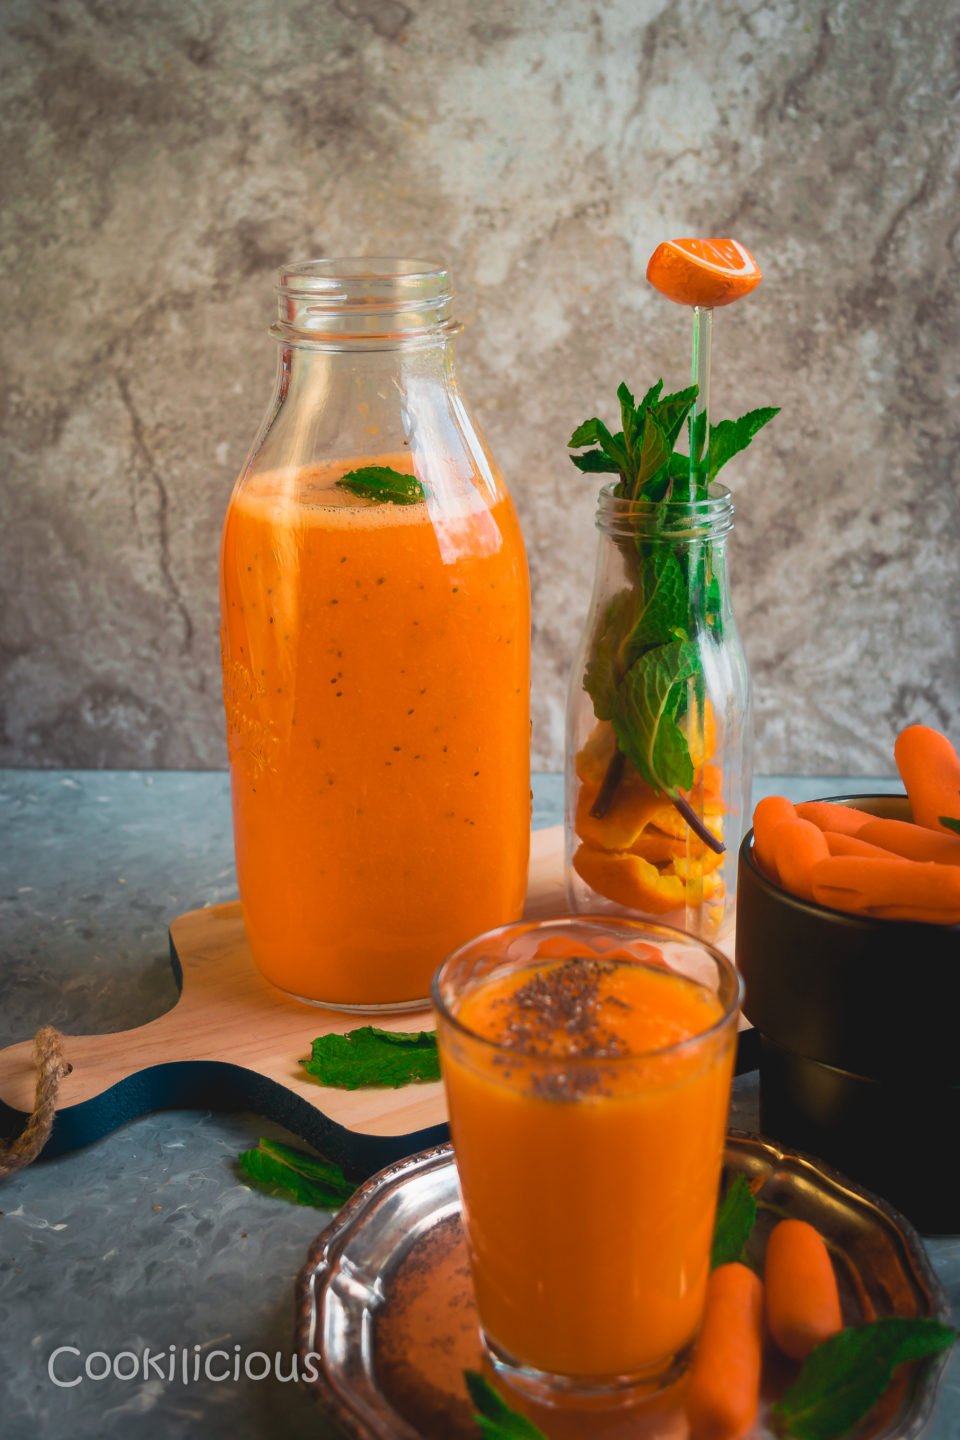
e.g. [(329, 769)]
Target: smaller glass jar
[(658, 748)]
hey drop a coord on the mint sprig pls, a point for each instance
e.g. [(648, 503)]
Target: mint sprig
[(642, 452), (843, 1378), (495, 1418), (736, 1217), (301, 1177), (380, 482), (950, 823), (369, 1056)]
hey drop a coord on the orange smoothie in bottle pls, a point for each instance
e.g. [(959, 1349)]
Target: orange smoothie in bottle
[(588, 1101), (376, 677)]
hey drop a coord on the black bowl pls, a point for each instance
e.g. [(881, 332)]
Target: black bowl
[(859, 1027)]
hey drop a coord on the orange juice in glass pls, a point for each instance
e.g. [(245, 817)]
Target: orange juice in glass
[(375, 651), (587, 1065)]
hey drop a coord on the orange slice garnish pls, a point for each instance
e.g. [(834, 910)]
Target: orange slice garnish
[(703, 272)]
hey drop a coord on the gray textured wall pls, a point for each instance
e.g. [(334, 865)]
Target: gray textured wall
[(159, 158)]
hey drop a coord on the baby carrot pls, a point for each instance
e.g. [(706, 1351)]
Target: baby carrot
[(797, 847), (914, 890), (724, 1389), (803, 1303), (842, 819), (913, 842), (930, 769), (854, 845), (770, 812)]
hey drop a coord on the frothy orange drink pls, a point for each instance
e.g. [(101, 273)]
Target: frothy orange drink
[(376, 676), (588, 1102)]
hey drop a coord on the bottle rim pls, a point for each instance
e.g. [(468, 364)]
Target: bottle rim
[(368, 301), (710, 518)]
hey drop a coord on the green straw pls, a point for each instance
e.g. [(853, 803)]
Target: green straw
[(700, 375)]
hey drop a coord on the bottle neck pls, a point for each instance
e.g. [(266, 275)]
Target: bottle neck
[(364, 305), (673, 522), (366, 370)]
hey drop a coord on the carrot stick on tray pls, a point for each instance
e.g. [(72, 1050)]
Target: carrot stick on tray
[(802, 1300), (930, 769), (724, 1390)]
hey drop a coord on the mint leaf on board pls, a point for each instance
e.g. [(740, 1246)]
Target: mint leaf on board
[(845, 1376), (736, 1217), (494, 1416), (368, 1056), (303, 1178), (648, 701), (950, 823), (379, 482)]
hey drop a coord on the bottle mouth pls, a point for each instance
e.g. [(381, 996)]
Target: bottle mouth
[(673, 520), (330, 303)]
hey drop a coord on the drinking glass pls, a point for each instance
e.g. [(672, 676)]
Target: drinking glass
[(587, 1063)]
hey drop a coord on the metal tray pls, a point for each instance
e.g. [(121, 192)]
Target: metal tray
[(385, 1300)]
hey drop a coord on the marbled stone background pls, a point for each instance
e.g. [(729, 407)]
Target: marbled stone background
[(159, 158)]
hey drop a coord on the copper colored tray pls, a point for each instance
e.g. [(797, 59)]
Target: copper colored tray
[(385, 1299)]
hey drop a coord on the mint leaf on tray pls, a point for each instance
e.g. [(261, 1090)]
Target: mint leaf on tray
[(303, 1178), (845, 1376), (494, 1416), (736, 1217), (369, 1056), (380, 482)]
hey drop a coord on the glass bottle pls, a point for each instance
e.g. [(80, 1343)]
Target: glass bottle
[(648, 831), (375, 653)]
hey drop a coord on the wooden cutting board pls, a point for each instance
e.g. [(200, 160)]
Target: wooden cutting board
[(233, 1042)]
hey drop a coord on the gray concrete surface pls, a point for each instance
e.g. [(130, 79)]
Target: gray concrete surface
[(158, 159), (149, 1237)]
